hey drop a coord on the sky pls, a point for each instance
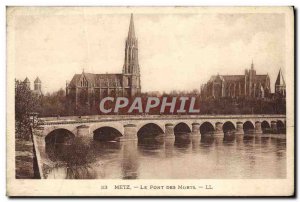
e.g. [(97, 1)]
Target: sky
[(177, 51)]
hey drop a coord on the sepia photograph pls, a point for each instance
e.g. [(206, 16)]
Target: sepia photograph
[(150, 101)]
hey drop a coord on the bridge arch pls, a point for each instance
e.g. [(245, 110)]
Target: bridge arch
[(182, 128), (149, 130), (206, 128), (106, 133), (265, 125), (248, 127), (228, 126), (280, 124), (116, 125), (59, 136)]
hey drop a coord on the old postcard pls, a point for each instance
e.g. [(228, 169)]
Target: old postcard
[(150, 101)]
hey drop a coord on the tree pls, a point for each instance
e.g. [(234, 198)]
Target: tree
[(25, 103), (53, 104)]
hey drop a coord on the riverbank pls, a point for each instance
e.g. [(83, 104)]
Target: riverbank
[(24, 159)]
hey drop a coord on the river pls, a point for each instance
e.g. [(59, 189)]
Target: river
[(186, 157)]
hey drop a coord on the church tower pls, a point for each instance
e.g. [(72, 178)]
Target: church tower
[(27, 83), (37, 86), (280, 88), (131, 69), (251, 81)]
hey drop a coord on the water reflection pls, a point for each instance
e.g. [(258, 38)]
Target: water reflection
[(169, 147), (265, 141), (229, 138), (105, 148), (239, 139), (207, 139), (130, 162), (181, 157), (148, 146), (219, 139), (195, 142), (280, 143), (182, 142)]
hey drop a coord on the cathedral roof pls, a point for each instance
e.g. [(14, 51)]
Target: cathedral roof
[(239, 78), (75, 79), (261, 78), (215, 77), (280, 80), (232, 78), (98, 80), (90, 77)]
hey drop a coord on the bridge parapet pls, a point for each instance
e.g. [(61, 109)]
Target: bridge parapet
[(130, 118)]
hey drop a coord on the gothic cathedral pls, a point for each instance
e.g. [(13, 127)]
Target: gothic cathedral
[(86, 89)]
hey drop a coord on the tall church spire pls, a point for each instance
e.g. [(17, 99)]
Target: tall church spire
[(131, 33), (131, 63)]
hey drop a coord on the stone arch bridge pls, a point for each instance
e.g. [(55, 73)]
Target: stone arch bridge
[(59, 129), (130, 127)]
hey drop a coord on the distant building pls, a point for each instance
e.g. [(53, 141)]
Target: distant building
[(37, 89), (37, 86), (248, 85), (87, 89)]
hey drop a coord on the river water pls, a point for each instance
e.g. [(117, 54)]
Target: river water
[(186, 157)]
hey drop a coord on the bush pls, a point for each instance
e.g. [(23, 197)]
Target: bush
[(78, 153)]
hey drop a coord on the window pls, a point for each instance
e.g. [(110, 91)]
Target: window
[(129, 81)]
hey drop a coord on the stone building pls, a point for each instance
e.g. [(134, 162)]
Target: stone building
[(280, 88), (37, 88), (249, 85), (87, 89)]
